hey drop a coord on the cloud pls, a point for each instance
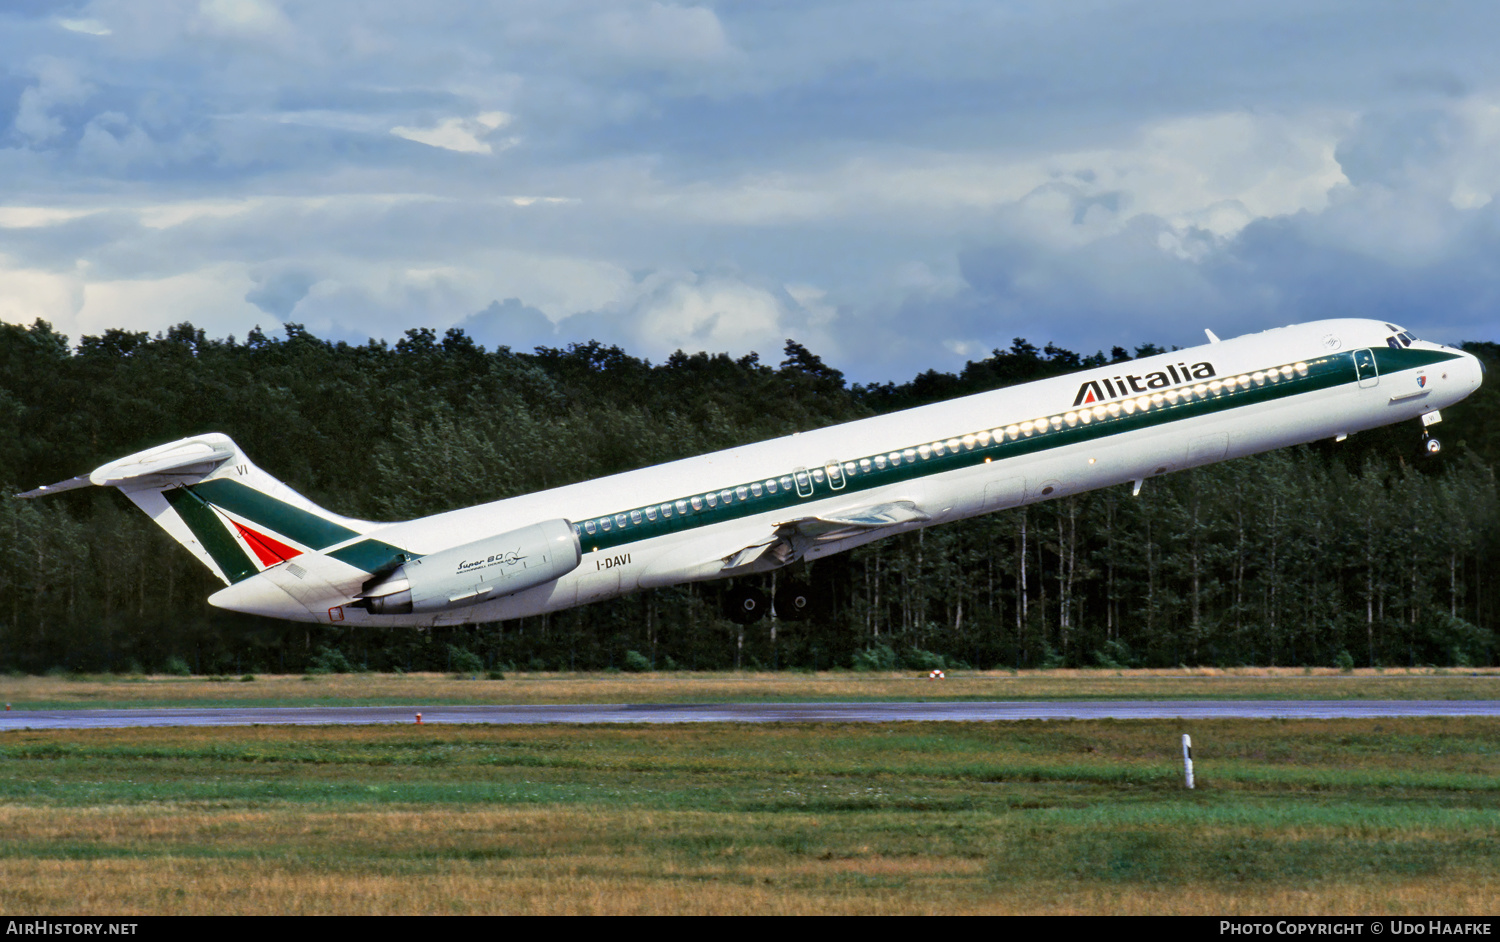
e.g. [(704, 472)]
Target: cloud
[(210, 297), (58, 83), (659, 33), (31, 293), (30, 217), (88, 26), (278, 293), (510, 324), (242, 17), (459, 134), (898, 186), (718, 311)]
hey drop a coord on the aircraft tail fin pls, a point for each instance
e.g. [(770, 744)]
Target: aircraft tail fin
[(235, 518)]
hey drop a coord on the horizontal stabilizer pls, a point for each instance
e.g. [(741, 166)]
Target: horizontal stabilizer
[(235, 518), (70, 484), (195, 457)]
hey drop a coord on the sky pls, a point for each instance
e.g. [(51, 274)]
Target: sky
[(898, 186)]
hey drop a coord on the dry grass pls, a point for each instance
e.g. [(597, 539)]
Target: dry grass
[(1292, 817), (191, 887), (553, 862), (685, 687)]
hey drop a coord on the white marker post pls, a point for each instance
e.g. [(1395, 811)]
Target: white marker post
[(1187, 757)]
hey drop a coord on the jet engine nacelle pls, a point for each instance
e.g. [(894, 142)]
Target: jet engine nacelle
[(475, 572)]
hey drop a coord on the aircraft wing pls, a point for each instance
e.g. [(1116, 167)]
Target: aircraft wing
[(870, 517), (759, 550), (791, 538)]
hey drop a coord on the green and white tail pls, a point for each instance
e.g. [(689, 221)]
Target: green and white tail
[(237, 519)]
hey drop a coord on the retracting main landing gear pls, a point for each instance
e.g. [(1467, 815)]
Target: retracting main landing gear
[(745, 605), (794, 601)]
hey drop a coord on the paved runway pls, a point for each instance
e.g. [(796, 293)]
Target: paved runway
[(749, 713)]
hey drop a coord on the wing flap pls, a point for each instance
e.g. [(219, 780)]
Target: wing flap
[(871, 517)]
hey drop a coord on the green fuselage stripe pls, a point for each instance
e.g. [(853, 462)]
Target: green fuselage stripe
[(372, 555), (213, 532), (1322, 373), (281, 518)]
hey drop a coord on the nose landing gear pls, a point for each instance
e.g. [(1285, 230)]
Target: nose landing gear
[(1430, 444)]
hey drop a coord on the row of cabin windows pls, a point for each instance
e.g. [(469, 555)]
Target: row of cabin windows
[(981, 439)]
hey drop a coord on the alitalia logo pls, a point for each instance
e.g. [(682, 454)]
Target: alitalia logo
[(1101, 390)]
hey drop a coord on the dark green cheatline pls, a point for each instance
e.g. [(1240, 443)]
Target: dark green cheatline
[(646, 522), (305, 527)]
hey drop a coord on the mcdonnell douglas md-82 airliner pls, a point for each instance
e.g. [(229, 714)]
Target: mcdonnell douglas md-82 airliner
[(757, 508)]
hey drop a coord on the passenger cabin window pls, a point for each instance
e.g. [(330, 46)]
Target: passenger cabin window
[(635, 517), (588, 526)]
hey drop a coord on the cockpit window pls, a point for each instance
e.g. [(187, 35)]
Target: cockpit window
[(1400, 337)]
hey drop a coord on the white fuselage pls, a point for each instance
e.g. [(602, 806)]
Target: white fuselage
[(1110, 425)]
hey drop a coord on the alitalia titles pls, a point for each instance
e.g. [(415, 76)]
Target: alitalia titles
[(1131, 384)]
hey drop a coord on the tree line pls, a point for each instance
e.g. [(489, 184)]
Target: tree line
[(1364, 552)]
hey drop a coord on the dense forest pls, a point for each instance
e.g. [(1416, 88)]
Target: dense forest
[(1365, 552)]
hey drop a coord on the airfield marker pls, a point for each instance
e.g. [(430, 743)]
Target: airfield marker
[(419, 719), (1187, 757)]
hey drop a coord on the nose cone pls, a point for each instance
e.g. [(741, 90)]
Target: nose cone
[(1470, 373)]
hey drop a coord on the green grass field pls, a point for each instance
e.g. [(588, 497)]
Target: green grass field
[(101, 691), (1289, 817)]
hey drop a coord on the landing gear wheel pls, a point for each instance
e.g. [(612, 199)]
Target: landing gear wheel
[(793, 601), (745, 605)]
